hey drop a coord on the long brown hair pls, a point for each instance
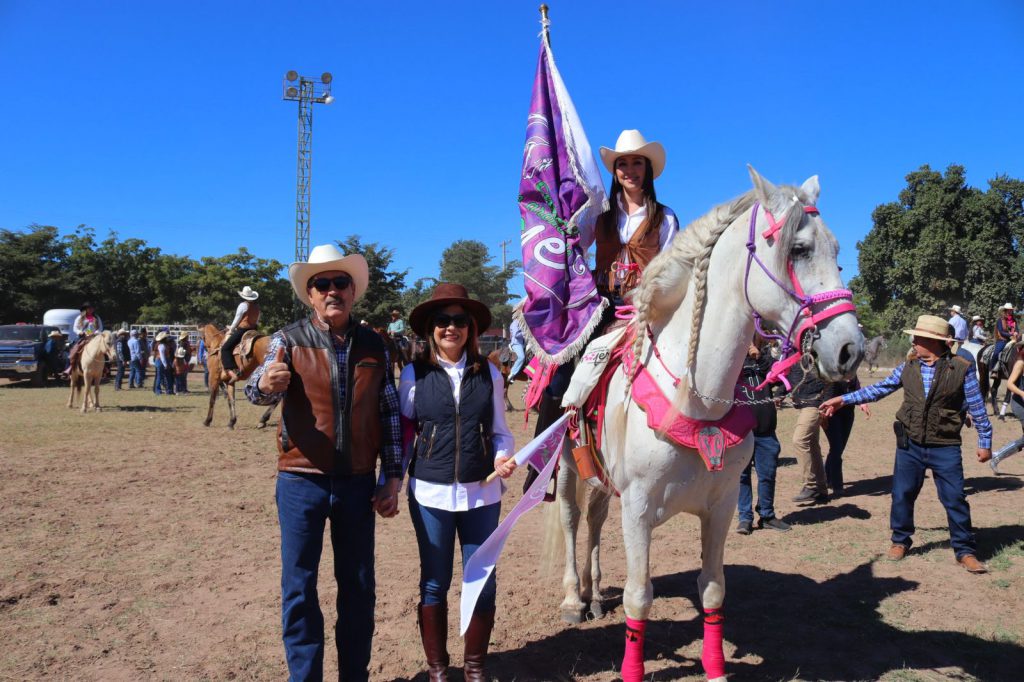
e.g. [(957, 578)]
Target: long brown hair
[(472, 347), (655, 211)]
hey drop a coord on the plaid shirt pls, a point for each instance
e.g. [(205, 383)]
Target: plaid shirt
[(889, 385), (391, 448)]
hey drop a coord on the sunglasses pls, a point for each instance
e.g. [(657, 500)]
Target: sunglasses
[(460, 320), (323, 284)]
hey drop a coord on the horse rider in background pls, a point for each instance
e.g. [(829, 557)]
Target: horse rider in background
[(517, 344), (86, 324), (52, 352), (247, 316), (978, 333), (959, 323), (1006, 331), (397, 330)]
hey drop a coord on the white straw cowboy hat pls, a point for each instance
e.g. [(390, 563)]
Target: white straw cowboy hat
[(54, 334), (183, 336), (632, 142), (329, 257), (956, 309), (1007, 306), (930, 327), (160, 336), (976, 318), (248, 294)]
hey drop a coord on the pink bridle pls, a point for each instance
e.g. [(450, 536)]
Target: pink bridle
[(806, 320)]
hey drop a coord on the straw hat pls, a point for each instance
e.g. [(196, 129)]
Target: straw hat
[(632, 142), (54, 334), (160, 336), (931, 327), (329, 257), (955, 309), (183, 336), (122, 330), (1007, 306), (446, 293), (976, 318), (248, 294)]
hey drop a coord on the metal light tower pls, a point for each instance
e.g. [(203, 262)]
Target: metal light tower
[(305, 91)]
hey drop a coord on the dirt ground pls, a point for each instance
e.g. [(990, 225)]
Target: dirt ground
[(137, 544)]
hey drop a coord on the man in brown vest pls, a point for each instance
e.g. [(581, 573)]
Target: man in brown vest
[(936, 386), (340, 415)]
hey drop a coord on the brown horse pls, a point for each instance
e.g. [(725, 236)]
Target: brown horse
[(213, 337), (88, 371)]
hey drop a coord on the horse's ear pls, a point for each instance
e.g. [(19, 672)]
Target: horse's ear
[(763, 188), (811, 189)]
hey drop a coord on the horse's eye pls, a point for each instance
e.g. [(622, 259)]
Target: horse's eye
[(799, 251)]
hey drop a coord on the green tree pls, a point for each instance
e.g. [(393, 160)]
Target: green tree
[(467, 263), (31, 274), (384, 292), (943, 243)]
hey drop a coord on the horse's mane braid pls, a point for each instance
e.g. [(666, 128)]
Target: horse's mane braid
[(669, 272)]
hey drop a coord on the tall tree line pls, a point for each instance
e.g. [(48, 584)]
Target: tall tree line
[(130, 281), (942, 242)]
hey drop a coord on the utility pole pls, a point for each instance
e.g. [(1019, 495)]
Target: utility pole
[(305, 91), (504, 264)]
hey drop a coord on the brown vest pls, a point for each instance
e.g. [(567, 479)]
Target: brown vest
[(320, 432), (641, 248), (937, 419), (251, 319)]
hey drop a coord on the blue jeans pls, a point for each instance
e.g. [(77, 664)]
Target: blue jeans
[(908, 477), (435, 535), (304, 504), (517, 366), (158, 380), (135, 374), (181, 382), (120, 375), (838, 433), (765, 461)]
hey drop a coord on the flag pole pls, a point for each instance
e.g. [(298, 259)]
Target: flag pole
[(545, 23)]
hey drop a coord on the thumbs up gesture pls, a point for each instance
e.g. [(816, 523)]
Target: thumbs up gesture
[(277, 375)]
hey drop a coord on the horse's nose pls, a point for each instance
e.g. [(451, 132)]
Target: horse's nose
[(849, 357)]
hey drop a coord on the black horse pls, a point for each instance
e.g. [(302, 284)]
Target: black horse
[(994, 373)]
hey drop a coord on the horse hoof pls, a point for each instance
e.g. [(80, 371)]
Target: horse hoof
[(206, 422), (261, 425), (574, 617), (596, 611)]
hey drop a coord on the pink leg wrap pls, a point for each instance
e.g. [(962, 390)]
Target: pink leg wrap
[(633, 660), (711, 655)]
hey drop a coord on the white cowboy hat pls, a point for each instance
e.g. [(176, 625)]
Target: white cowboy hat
[(955, 309), (160, 336), (931, 327), (329, 257), (54, 334), (1008, 306), (632, 142), (122, 330), (248, 294), (976, 318), (183, 336)]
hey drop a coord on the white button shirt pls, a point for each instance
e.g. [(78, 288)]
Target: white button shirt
[(459, 496), (628, 225)]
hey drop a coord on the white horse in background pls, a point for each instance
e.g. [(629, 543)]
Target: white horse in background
[(90, 370), (699, 283)]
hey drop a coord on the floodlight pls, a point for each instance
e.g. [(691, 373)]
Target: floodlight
[(292, 91), (328, 99), (326, 77), (292, 76)]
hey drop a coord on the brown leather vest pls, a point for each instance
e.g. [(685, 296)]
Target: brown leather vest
[(251, 319), (935, 419), (319, 432), (641, 248)]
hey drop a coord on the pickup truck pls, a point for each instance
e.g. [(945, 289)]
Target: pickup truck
[(21, 352)]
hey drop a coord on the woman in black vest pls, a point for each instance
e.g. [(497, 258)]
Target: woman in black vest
[(453, 399)]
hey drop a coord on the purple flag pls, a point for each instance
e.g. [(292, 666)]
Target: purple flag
[(544, 448), (560, 196)]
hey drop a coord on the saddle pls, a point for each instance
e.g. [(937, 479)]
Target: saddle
[(243, 351)]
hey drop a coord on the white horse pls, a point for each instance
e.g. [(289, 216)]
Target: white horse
[(705, 282), (90, 370)]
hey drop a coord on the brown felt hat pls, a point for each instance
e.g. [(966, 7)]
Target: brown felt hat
[(447, 293)]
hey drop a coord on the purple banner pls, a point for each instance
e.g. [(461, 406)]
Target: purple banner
[(560, 196)]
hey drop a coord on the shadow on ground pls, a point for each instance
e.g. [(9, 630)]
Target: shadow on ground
[(797, 627)]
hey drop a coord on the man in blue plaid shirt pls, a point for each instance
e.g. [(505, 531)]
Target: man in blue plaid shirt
[(936, 385), (340, 415)]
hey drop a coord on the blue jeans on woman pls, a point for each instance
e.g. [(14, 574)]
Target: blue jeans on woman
[(158, 380), (435, 535), (765, 461), (304, 504), (947, 468)]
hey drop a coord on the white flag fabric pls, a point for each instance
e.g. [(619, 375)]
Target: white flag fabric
[(544, 448)]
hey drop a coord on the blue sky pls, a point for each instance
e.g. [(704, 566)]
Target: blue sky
[(164, 121)]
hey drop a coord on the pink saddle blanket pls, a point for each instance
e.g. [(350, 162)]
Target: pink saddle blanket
[(709, 438)]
